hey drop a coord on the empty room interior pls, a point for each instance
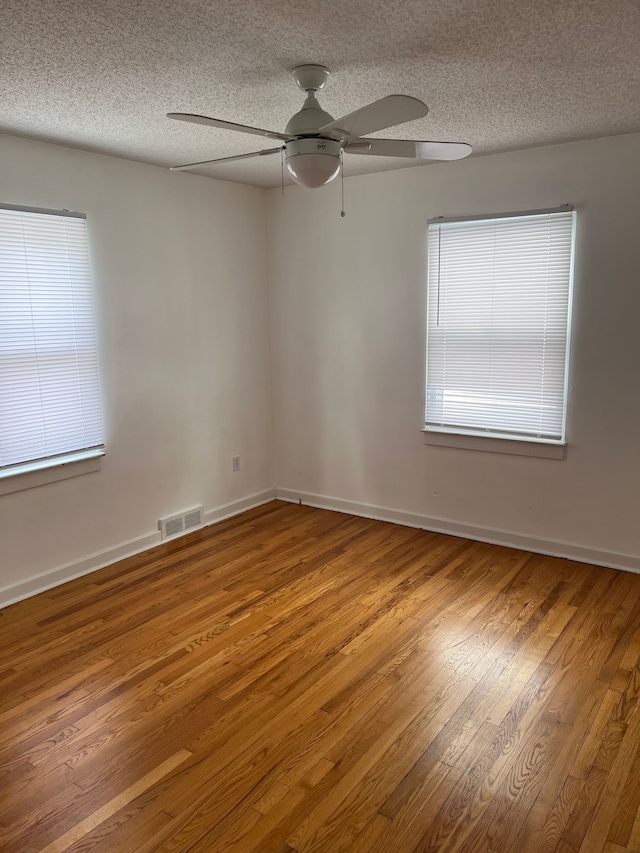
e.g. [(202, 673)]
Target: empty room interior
[(319, 426)]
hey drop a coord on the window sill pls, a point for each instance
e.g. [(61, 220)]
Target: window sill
[(495, 445), (32, 474)]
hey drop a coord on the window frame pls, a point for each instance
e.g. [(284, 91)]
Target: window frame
[(494, 440), (59, 466)]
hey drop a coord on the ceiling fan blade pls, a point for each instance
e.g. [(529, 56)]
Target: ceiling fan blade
[(418, 149), (229, 125), (387, 112), (226, 159)]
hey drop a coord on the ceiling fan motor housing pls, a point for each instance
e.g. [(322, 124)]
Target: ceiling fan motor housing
[(313, 162)]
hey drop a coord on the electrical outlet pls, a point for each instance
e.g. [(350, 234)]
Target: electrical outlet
[(236, 463)]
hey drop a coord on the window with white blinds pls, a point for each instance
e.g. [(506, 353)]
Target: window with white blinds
[(49, 393), (499, 303)]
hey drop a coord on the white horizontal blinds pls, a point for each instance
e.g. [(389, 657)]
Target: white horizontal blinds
[(49, 394), (498, 312)]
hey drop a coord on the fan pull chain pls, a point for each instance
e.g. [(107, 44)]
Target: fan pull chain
[(342, 213), (282, 167)]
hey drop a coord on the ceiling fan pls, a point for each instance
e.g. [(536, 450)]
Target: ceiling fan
[(314, 141)]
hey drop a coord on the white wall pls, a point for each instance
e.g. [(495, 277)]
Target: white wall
[(181, 281), (182, 304), (348, 300)]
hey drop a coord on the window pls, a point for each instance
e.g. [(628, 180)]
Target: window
[(49, 395), (499, 302)]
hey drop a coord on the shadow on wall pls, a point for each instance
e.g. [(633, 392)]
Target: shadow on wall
[(355, 327)]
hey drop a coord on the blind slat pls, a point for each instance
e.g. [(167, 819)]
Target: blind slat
[(498, 303)]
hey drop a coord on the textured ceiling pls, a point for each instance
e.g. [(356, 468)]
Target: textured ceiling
[(499, 74)]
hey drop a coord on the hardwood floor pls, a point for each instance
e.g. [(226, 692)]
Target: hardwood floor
[(296, 679)]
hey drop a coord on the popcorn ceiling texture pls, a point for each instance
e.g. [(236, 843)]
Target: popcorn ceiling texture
[(499, 74)]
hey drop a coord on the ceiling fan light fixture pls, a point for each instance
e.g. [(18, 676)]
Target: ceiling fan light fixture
[(313, 162), (312, 170), (314, 140)]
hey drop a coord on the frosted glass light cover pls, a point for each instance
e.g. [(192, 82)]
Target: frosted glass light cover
[(313, 170)]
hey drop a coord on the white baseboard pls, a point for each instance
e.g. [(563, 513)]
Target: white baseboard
[(86, 565), (494, 536), (211, 516)]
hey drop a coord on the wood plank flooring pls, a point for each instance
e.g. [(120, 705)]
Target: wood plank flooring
[(300, 680)]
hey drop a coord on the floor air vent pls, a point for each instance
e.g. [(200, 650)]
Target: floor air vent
[(174, 525)]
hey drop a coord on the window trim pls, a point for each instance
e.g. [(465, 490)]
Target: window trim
[(50, 462), (470, 439), (26, 475), (514, 447), (30, 473)]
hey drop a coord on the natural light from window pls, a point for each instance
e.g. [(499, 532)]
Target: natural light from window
[(499, 304), (49, 391)]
